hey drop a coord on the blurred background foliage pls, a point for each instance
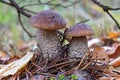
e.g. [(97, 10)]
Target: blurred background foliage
[(72, 10)]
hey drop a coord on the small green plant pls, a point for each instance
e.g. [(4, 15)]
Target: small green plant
[(61, 77), (74, 77), (52, 78)]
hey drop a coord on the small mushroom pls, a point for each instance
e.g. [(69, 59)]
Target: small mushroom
[(78, 44), (48, 22)]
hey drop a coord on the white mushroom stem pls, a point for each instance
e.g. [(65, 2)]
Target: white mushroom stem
[(78, 47), (49, 43)]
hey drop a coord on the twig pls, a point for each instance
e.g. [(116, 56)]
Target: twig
[(63, 51), (113, 19), (63, 63), (26, 74), (116, 72), (78, 66), (15, 5), (19, 18), (28, 15), (30, 5), (21, 1), (5, 2), (86, 65), (84, 21), (107, 9), (20, 11), (45, 2), (30, 11), (29, 73)]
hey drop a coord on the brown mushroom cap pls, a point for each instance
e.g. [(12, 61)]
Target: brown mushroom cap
[(48, 20), (78, 30)]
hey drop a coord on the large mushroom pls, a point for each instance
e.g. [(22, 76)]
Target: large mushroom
[(78, 44), (48, 22)]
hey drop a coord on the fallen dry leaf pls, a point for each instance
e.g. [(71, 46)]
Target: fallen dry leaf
[(21, 44), (113, 74), (112, 34), (15, 66), (110, 78), (93, 42), (107, 78), (117, 78), (3, 56), (106, 48), (117, 68), (100, 53), (25, 47), (115, 51), (106, 41), (14, 58), (115, 62)]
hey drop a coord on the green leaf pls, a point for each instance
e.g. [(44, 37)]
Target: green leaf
[(52, 78), (73, 76), (61, 77)]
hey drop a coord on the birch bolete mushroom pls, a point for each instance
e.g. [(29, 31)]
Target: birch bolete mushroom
[(48, 22), (78, 44)]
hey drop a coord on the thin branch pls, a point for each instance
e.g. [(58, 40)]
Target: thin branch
[(15, 5), (30, 5), (30, 11), (66, 6), (38, 3), (20, 11), (45, 2), (107, 9), (21, 1), (113, 19), (84, 21), (19, 18), (5, 2), (113, 8), (28, 15)]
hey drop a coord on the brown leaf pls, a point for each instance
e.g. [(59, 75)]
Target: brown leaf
[(115, 51), (107, 41), (107, 78), (114, 74), (118, 78), (3, 57), (110, 78), (14, 58), (100, 53), (13, 77), (21, 43), (115, 62), (93, 42)]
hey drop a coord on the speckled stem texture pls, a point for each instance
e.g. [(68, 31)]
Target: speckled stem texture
[(78, 47), (49, 43)]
